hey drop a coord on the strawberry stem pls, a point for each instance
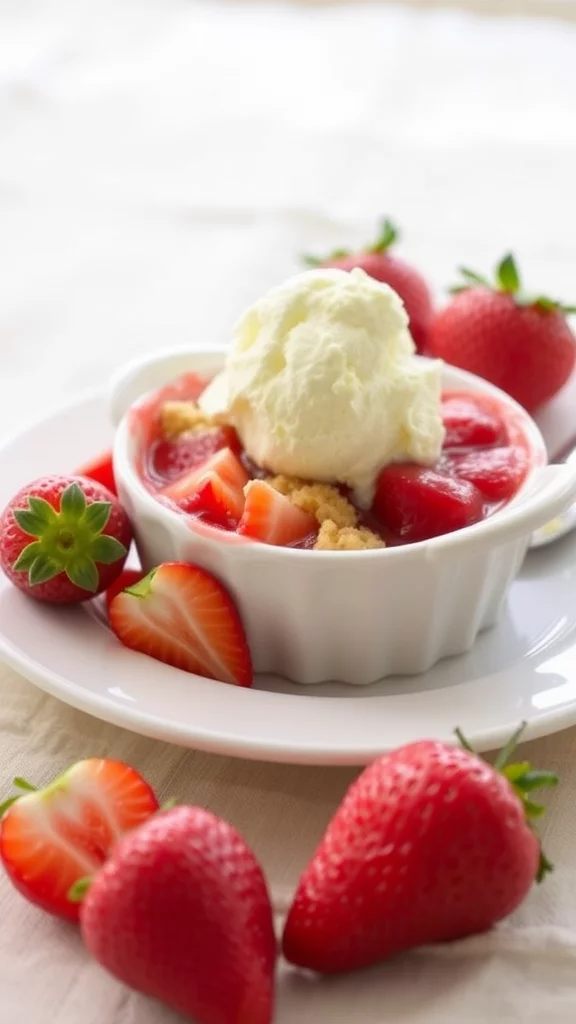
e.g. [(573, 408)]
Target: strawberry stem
[(523, 780), (509, 748)]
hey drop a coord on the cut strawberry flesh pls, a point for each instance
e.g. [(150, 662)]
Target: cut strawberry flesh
[(101, 470), (181, 615), (171, 458), (470, 425), (496, 472), (214, 490), (51, 839), (417, 503), (271, 517)]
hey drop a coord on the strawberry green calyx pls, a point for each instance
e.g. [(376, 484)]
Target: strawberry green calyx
[(388, 236), (69, 541), (524, 780), (143, 587), (508, 281), (21, 784), (78, 891)]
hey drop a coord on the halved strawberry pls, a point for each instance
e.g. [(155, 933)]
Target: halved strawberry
[(216, 489), (469, 424), (271, 517), (127, 578), (497, 472), (418, 503), (50, 838), (101, 470), (181, 615), (172, 457)]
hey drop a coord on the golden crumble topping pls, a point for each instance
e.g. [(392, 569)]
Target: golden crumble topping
[(185, 417), (346, 538), (323, 501)]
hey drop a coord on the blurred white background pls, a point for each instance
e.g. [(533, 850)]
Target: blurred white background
[(165, 160)]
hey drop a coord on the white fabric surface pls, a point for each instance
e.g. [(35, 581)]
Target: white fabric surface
[(161, 163)]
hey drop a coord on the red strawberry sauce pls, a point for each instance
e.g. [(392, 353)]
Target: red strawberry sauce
[(484, 461)]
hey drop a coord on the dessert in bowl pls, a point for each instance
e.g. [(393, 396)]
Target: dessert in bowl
[(366, 507)]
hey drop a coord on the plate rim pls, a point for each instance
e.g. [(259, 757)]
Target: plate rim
[(224, 743)]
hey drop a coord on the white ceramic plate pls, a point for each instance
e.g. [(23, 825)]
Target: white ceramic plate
[(523, 669)]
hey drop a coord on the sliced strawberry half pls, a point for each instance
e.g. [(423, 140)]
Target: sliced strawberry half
[(417, 503), (271, 517), (215, 489), (468, 424), (101, 470), (183, 616), (496, 472), (172, 457), (53, 837)]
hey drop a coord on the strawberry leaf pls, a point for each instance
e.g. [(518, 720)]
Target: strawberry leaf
[(73, 502), (43, 510), (78, 891), (473, 277), (82, 572), (43, 568), (29, 522), (507, 275), (27, 556), (97, 515), (534, 780), (388, 236), (107, 550)]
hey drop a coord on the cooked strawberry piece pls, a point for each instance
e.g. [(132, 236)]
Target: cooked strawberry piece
[(127, 578), (469, 424), (271, 517), (181, 615), (418, 503), (51, 838), (101, 470), (214, 489), (171, 458), (496, 472)]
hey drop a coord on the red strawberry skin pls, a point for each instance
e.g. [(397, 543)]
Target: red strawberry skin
[(127, 578), (181, 912), (526, 351), (429, 845), (60, 589), (101, 470), (405, 280)]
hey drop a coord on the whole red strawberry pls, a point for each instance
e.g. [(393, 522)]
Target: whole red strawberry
[(51, 838), (430, 844), (181, 912), (63, 539), (377, 261), (522, 344)]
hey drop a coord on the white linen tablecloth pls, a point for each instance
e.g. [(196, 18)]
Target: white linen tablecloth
[(161, 163)]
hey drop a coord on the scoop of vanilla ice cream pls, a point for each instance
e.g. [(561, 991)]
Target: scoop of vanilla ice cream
[(322, 382)]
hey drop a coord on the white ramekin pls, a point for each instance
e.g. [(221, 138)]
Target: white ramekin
[(349, 616)]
